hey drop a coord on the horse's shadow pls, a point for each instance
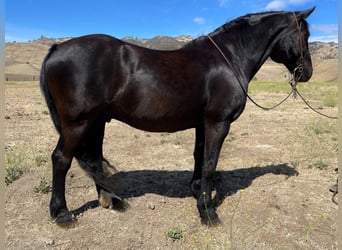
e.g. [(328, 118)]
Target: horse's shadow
[(177, 183)]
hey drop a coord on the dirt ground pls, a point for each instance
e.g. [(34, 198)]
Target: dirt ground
[(275, 171)]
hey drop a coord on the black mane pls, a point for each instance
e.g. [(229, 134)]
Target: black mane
[(250, 19)]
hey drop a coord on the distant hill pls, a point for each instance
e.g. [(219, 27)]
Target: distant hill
[(23, 60), (160, 42)]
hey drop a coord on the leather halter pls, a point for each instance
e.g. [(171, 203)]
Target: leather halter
[(299, 68)]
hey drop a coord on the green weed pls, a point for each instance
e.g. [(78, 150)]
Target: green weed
[(40, 160), (320, 164), (14, 166), (330, 98), (175, 234), (318, 144), (230, 137), (43, 187), (295, 163), (19, 160), (276, 87)]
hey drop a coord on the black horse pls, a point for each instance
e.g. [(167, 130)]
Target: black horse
[(88, 81)]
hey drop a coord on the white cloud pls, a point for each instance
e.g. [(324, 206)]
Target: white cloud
[(275, 5), (199, 20), (325, 39), (319, 32), (324, 32), (328, 29), (223, 3), (283, 4)]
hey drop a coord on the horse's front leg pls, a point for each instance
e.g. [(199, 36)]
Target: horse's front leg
[(215, 133), (198, 157)]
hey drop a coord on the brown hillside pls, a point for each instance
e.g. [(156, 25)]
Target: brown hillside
[(23, 60)]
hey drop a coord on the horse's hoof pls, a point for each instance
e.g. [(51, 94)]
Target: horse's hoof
[(210, 218), (64, 217), (106, 199)]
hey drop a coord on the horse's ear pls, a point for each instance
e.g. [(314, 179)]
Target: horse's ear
[(304, 14)]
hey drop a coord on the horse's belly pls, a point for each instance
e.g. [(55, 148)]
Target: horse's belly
[(150, 109), (161, 125), (154, 120)]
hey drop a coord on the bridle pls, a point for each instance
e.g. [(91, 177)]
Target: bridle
[(298, 71)]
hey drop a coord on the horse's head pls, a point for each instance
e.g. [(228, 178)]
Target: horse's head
[(292, 48)]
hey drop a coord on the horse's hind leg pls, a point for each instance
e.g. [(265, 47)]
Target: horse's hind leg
[(61, 161), (90, 157), (89, 153)]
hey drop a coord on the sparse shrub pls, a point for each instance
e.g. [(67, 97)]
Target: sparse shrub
[(330, 99), (14, 166), (175, 234), (295, 163), (163, 139), (321, 127), (43, 187), (40, 160), (230, 137), (320, 165)]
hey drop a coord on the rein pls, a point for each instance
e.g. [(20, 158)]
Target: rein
[(299, 69), (293, 82)]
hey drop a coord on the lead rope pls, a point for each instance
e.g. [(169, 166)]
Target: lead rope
[(313, 109), (299, 69), (295, 92)]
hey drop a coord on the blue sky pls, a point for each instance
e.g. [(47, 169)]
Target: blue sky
[(29, 19)]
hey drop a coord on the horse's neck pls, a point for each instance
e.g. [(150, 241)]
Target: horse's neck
[(248, 52)]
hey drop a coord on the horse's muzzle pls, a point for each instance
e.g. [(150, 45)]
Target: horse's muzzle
[(302, 74)]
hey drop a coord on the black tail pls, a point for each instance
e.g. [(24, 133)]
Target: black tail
[(44, 88)]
